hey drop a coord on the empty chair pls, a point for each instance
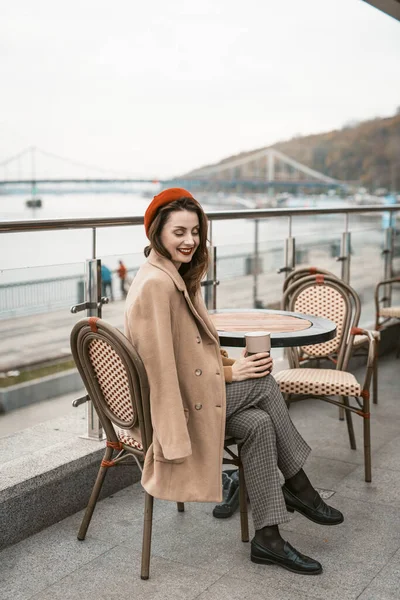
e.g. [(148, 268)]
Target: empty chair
[(384, 310), (116, 382), (329, 297), (360, 341)]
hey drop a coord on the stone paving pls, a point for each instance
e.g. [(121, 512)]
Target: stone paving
[(195, 556)]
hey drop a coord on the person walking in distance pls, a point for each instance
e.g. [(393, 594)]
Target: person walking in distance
[(122, 273), (106, 282), (198, 394)]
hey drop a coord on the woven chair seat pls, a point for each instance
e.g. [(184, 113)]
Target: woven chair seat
[(129, 441), (390, 311), (318, 381)]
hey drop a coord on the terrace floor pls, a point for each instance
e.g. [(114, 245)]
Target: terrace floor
[(195, 556)]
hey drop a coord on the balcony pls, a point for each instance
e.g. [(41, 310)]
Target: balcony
[(47, 468)]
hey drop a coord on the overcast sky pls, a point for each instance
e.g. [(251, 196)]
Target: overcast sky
[(155, 87)]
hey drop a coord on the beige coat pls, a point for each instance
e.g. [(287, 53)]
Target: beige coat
[(180, 350)]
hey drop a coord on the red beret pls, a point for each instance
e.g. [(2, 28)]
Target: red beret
[(164, 197)]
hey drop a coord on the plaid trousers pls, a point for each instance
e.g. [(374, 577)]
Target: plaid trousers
[(257, 416)]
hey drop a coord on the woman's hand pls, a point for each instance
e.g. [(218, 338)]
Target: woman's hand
[(251, 367)]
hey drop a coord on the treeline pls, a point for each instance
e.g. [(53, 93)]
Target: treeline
[(366, 153)]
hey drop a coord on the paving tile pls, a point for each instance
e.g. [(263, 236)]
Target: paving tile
[(347, 568), (193, 539), (232, 588), (35, 563), (387, 457), (386, 585), (116, 574), (319, 424), (383, 489), (362, 520), (326, 473), (119, 516)]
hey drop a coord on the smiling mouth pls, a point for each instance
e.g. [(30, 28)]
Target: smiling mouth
[(186, 251)]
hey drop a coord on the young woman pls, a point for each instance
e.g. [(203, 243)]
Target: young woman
[(198, 394)]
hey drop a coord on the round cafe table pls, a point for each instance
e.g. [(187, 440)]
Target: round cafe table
[(286, 328)]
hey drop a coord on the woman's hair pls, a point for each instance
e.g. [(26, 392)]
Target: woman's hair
[(192, 273)]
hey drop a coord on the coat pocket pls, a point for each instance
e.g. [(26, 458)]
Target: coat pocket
[(158, 453)]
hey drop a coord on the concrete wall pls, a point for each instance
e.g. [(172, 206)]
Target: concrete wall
[(37, 390)]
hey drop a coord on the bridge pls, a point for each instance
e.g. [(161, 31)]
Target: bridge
[(263, 170)]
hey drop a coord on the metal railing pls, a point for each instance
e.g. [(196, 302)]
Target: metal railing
[(36, 296), (93, 299)]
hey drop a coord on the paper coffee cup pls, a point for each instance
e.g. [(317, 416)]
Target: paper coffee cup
[(257, 341)]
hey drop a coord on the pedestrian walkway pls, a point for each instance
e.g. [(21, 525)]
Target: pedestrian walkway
[(196, 557), (38, 338)]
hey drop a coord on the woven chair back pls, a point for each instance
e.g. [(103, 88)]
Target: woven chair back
[(114, 377), (329, 297), (303, 272)]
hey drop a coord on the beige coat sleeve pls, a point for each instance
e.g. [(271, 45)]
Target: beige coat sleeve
[(150, 327)]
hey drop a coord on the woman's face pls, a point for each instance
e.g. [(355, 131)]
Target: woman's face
[(180, 236)]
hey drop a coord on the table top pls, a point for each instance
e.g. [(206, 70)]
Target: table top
[(287, 328)]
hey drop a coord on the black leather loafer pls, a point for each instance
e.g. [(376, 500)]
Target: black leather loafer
[(317, 511), (291, 559)]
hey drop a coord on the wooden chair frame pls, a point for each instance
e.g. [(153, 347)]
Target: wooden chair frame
[(307, 271), (349, 330), (83, 334)]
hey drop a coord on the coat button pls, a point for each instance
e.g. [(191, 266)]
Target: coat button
[(198, 339), (198, 372), (198, 406)]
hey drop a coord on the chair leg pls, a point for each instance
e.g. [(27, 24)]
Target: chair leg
[(367, 441), (147, 528), (341, 412), (375, 374), (180, 506), (244, 520), (94, 496), (349, 421), (375, 381)]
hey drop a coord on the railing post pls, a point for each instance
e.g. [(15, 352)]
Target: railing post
[(256, 301), (93, 297), (290, 252), (210, 284), (388, 253), (210, 292), (345, 252)]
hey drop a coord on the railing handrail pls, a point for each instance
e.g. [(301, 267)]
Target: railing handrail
[(218, 215)]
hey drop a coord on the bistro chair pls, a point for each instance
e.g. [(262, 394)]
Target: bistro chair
[(360, 341), (384, 313), (116, 382), (329, 297)]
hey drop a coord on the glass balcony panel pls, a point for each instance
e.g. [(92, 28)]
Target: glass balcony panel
[(113, 241), (132, 262), (318, 239), (35, 327), (366, 268), (45, 289), (237, 268)]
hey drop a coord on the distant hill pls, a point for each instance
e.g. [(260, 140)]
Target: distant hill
[(367, 152)]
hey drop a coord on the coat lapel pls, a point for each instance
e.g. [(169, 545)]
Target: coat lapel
[(199, 311)]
